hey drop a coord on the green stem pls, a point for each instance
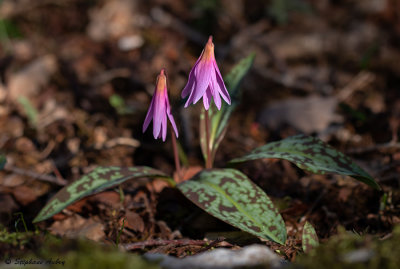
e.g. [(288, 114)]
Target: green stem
[(207, 124), (176, 155), (121, 194), (169, 180), (22, 219)]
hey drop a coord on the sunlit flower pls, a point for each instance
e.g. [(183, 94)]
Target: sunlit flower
[(205, 80), (159, 110)]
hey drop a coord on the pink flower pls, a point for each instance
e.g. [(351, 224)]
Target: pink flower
[(159, 110), (205, 80)]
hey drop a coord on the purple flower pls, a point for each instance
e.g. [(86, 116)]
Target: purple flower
[(205, 80), (159, 110)]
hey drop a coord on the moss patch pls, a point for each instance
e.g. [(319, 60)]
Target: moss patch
[(349, 250)]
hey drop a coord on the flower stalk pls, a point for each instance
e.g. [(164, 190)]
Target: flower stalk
[(176, 156), (208, 149)]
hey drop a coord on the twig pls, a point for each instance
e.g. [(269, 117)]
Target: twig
[(181, 242), (110, 75), (359, 82), (121, 141), (23, 172), (284, 79), (378, 147), (214, 243), (166, 19)]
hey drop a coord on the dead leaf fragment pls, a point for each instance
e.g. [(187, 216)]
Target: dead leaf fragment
[(134, 221), (29, 81), (310, 114), (24, 195), (76, 226)]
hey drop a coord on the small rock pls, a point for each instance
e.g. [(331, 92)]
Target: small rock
[(115, 19), (130, 42), (254, 256), (358, 256)]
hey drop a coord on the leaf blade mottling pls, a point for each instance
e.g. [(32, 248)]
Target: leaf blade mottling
[(311, 154), (99, 179), (309, 238), (230, 196)]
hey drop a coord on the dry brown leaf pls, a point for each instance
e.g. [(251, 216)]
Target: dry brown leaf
[(134, 221), (114, 19), (7, 204), (76, 226), (24, 195), (310, 114), (110, 198), (12, 180), (29, 81)]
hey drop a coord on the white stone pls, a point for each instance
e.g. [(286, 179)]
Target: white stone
[(249, 256)]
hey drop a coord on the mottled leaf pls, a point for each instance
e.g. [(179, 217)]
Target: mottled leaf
[(219, 118), (311, 154), (2, 161), (94, 182), (309, 239), (232, 197)]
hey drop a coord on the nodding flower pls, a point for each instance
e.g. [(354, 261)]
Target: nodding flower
[(159, 110), (205, 80)]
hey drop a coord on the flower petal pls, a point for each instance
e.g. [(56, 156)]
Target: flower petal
[(192, 79), (207, 99), (214, 87), (220, 82), (159, 112), (170, 117), (203, 77), (190, 99), (149, 115), (164, 127)]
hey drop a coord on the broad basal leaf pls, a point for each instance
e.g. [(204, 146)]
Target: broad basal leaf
[(311, 154), (94, 182), (230, 196), (219, 118), (309, 239)]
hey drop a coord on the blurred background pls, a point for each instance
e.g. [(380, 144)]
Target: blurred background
[(76, 79)]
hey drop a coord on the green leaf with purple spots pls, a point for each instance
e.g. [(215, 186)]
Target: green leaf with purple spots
[(99, 179), (309, 239), (231, 196), (219, 118), (311, 154)]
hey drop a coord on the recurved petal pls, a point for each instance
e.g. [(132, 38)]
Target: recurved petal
[(191, 81), (191, 96), (170, 117), (149, 115), (214, 87), (189, 86), (220, 82)]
